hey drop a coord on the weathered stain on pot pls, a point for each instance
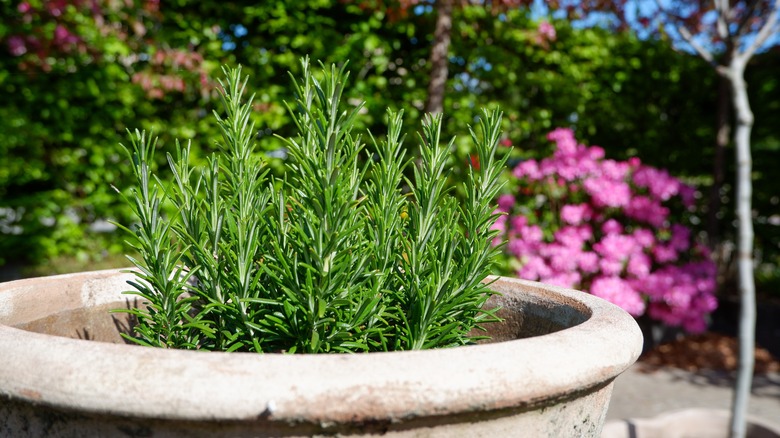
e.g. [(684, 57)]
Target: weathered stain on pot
[(30, 394)]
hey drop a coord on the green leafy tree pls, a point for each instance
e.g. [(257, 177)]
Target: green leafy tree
[(74, 72), (154, 64)]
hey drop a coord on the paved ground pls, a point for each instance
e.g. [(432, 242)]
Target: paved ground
[(645, 394)]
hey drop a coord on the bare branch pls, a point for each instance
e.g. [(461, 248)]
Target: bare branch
[(704, 53), (750, 8), (674, 16), (724, 71), (766, 30), (724, 10)]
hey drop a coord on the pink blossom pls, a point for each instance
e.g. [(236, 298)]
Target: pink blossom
[(643, 237), (614, 234), (595, 153), (531, 233), (24, 7), (571, 161), (588, 262), (17, 46), (611, 267), (564, 139), (611, 226), (647, 210), (574, 237), (500, 225), (579, 165), (547, 31), (618, 292), (518, 222), (639, 265), (563, 279), (688, 196), (506, 202), (528, 169), (614, 170), (664, 253), (694, 325), (519, 247), (56, 7), (568, 169), (616, 246), (575, 214), (681, 295), (63, 37), (608, 193), (655, 284), (664, 313), (563, 258), (702, 268), (534, 268), (660, 184), (705, 303), (681, 237)]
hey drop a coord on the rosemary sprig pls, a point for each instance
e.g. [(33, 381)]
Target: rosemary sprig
[(345, 254)]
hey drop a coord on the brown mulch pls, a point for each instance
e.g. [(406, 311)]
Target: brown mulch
[(707, 351)]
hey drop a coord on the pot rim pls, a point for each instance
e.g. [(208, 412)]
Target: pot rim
[(134, 381)]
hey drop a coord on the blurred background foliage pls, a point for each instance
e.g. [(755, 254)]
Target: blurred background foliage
[(75, 74)]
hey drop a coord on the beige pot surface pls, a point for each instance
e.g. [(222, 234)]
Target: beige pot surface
[(555, 383)]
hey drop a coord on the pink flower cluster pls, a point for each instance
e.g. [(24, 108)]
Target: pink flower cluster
[(545, 33), (605, 227), (41, 43)]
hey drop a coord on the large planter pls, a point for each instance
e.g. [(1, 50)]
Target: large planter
[(64, 371)]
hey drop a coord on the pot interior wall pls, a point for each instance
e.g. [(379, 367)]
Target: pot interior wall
[(524, 315), (96, 323), (536, 313)]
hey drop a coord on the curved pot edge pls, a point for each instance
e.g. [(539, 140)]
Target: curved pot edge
[(509, 377)]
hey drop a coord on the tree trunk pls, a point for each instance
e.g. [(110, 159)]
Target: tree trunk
[(439, 56), (747, 323)]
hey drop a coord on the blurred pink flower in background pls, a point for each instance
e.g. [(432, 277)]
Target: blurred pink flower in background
[(506, 202), (17, 46), (608, 228), (575, 214), (620, 292), (547, 30)]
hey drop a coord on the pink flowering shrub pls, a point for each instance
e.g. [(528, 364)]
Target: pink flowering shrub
[(583, 221)]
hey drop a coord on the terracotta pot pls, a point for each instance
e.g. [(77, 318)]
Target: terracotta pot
[(688, 423), (64, 371)]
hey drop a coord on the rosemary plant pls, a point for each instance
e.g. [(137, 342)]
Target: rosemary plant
[(345, 254)]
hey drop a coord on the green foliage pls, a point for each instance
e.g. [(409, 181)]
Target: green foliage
[(64, 108), (764, 89), (344, 254), (635, 97), (65, 104)]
